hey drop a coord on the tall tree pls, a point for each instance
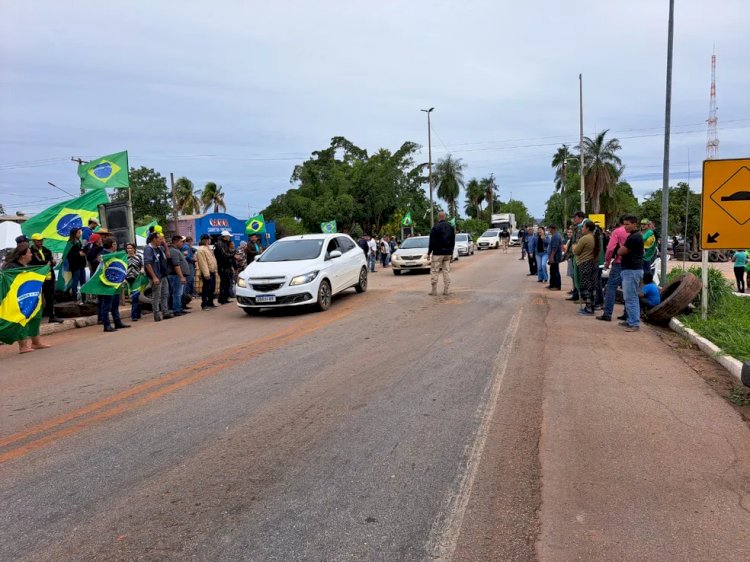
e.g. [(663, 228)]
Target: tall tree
[(490, 190), (474, 197), (564, 162), (449, 179), (150, 196), (213, 196), (186, 199), (602, 167)]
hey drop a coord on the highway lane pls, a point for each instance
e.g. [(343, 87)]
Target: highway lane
[(354, 434)]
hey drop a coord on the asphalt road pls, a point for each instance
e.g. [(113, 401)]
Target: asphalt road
[(395, 426)]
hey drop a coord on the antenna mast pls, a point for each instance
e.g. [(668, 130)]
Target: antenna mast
[(712, 140)]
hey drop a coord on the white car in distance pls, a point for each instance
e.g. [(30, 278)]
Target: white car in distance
[(302, 270), (489, 239), (412, 255), (464, 244)]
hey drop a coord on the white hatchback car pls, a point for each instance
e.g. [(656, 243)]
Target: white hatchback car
[(302, 270), (464, 244), (490, 239), (412, 254)]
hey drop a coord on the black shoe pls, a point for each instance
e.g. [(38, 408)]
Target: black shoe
[(623, 323), (623, 317), (121, 325), (530, 274), (157, 318), (109, 329), (211, 305), (54, 320), (168, 316), (134, 319), (572, 298), (178, 313), (100, 322), (605, 318)]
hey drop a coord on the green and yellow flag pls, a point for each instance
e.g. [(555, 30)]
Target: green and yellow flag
[(107, 171), (256, 225), (328, 227), (139, 284), (21, 302), (110, 275), (406, 220), (142, 231), (56, 222)]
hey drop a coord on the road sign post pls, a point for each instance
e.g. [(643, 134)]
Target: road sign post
[(725, 204)]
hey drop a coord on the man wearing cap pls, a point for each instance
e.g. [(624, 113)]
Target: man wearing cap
[(42, 256), (93, 252), (577, 226), (224, 257), (649, 244)]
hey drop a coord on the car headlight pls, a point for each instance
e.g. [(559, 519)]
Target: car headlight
[(303, 279), (241, 282)]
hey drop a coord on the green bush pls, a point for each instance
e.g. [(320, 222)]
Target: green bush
[(719, 288), (475, 227), (727, 325)]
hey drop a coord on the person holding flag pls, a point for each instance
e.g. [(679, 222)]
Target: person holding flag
[(136, 280), (106, 283), (42, 256), (21, 300)]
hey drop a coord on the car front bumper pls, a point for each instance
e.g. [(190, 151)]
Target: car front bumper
[(248, 297)]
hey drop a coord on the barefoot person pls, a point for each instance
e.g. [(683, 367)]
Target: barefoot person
[(27, 335)]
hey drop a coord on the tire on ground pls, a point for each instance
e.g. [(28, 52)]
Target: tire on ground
[(723, 257), (695, 256), (676, 296), (713, 256)]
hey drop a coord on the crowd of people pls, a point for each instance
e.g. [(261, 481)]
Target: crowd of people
[(378, 250), (170, 269), (626, 254)]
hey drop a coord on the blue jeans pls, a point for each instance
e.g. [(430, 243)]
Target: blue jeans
[(79, 280), (107, 304), (541, 266), (175, 287), (615, 280), (647, 265), (631, 282), (371, 260), (189, 285), (135, 305)]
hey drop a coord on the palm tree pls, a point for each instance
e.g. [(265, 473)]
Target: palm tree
[(449, 179), (213, 196), (564, 162), (185, 199), (602, 167), (490, 189), (474, 197)]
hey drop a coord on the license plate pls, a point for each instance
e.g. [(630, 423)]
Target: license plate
[(265, 298), (410, 263)]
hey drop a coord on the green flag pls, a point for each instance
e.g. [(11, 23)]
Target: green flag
[(256, 225), (21, 302), (110, 275), (139, 284), (407, 220), (328, 227), (142, 231), (56, 222), (107, 171), (64, 276), (452, 222)]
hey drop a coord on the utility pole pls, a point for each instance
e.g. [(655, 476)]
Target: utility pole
[(580, 142), (665, 175), (429, 150), (174, 204), (80, 162), (564, 192)]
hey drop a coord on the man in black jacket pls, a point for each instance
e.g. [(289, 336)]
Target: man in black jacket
[(224, 257), (442, 242), (42, 256)]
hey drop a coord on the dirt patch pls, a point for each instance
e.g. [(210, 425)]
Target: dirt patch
[(711, 372)]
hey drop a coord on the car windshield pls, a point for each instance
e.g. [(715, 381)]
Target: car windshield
[(293, 250), (421, 242), (515, 233), (462, 237), (490, 234)]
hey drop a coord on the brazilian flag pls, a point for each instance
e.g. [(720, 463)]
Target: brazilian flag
[(256, 225), (21, 302), (407, 220), (110, 275), (107, 171), (56, 222), (142, 231), (64, 276), (139, 284), (328, 227)]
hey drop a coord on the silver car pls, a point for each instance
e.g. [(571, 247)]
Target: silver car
[(465, 245)]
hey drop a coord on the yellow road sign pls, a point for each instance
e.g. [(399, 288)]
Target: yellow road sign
[(598, 220), (725, 206)]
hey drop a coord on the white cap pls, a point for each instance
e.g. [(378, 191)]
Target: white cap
[(225, 233)]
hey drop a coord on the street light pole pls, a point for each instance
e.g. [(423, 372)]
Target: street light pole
[(665, 173), (429, 150), (580, 145)]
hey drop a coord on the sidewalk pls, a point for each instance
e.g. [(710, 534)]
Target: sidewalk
[(641, 460)]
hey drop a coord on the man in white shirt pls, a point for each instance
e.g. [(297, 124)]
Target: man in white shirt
[(372, 254)]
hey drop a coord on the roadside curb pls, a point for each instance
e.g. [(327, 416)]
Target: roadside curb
[(736, 368), (72, 323)]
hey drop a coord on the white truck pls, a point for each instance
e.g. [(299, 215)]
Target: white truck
[(504, 220)]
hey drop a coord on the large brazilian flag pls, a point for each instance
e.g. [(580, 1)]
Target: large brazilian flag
[(107, 171), (328, 227), (256, 225), (56, 222), (110, 275), (21, 302)]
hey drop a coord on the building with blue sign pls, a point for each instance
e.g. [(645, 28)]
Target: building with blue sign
[(214, 224)]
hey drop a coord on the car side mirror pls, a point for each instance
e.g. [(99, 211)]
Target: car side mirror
[(334, 254), (256, 258)]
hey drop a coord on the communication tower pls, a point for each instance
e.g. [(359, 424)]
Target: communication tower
[(712, 140)]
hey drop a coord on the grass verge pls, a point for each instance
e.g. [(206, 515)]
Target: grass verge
[(727, 325)]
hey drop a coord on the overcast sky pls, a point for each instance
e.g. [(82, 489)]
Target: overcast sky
[(240, 92)]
